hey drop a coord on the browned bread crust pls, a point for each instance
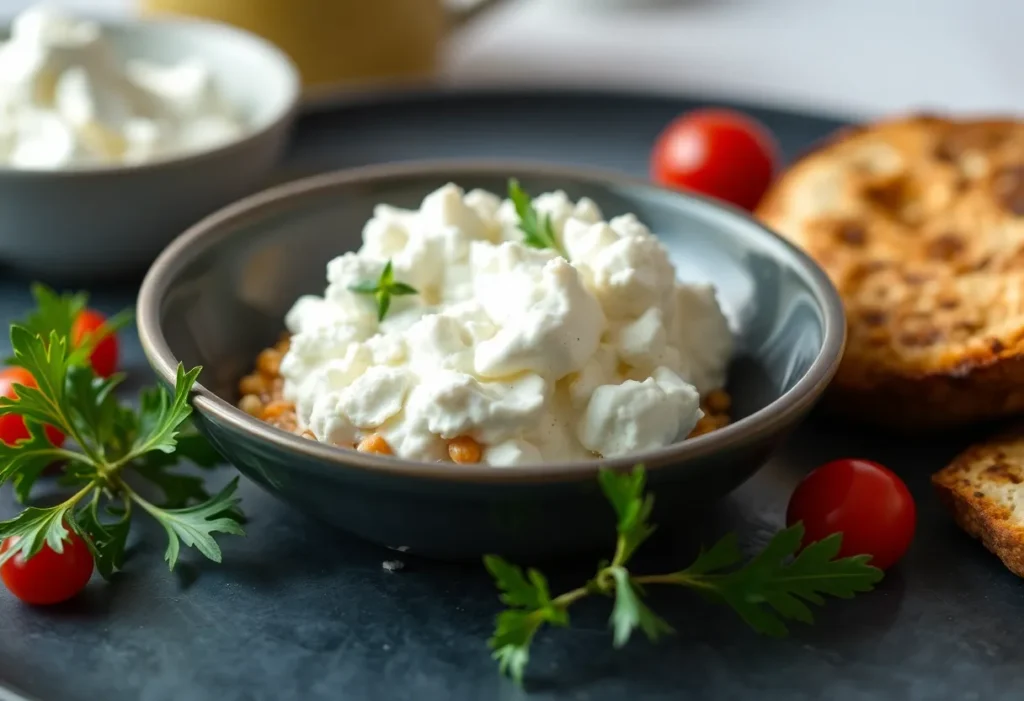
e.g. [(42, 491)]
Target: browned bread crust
[(920, 224), (981, 486)]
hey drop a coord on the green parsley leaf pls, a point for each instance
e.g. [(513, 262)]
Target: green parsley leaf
[(368, 287), (518, 590), (92, 405), (179, 490), (513, 634), (724, 553), (775, 585), (161, 415), (25, 461), (114, 440), (48, 364), (625, 492), (383, 290), (35, 527), (532, 607), (57, 313), (111, 325), (194, 525), (630, 612), (54, 312), (106, 540), (538, 232)]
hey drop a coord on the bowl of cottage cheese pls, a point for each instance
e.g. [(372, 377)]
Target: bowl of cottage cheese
[(116, 136), (521, 335), (441, 355)]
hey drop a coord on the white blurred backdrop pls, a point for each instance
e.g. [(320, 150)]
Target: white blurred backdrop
[(853, 57)]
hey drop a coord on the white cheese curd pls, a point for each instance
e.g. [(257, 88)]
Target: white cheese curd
[(536, 357), (66, 99)]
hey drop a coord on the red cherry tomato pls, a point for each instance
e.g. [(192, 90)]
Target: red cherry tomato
[(12, 426), (104, 356), (864, 501), (48, 577), (716, 152)]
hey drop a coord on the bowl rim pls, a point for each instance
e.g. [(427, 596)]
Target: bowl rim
[(769, 420), (289, 109)]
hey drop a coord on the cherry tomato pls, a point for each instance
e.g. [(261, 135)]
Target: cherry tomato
[(104, 356), (716, 152), (48, 577), (864, 501), (12, 426)]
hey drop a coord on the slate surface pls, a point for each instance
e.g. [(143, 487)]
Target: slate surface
[(301, 612)]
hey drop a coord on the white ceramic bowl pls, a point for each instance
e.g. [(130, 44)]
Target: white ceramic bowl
[(88, 222)]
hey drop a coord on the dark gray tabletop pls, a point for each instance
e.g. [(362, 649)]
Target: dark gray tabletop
[(298, 611)]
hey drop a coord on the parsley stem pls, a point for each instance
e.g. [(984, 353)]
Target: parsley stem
[(678, 578), (137, 498), (620, 553), (567, 599), (67, 455), (79, 495), (68, 428)]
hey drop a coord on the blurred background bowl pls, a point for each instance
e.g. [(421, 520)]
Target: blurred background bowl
[(94, 222), (218, 295)]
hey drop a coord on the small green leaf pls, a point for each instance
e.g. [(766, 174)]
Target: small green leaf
[(518, 590), (23, 462), (387, 276), (776, 586), (192, 447), (531, 607), (724, 553), (383, 304), (630, 612), (513, 633), (35, 527), (383, 290), (195, 525), (48, 364), (538, 232), (84, 346), (161, 415), (365, 288), (179, 489), (625, 492), (54, 312), (106, 541), (92, 406)]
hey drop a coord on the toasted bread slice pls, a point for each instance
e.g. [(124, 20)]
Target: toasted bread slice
[(981, 487), (920, 224)]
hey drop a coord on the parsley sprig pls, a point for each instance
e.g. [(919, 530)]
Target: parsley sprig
[(538, 231), (383, 290), (57, 312), (776, 585), (118, 446)]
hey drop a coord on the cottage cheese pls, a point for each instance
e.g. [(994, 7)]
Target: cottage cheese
[(67, 100), (536, 357)]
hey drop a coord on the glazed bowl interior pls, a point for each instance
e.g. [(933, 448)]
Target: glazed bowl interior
[(218, 295)]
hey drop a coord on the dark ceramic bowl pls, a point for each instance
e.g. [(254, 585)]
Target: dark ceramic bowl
[(218, 295)]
